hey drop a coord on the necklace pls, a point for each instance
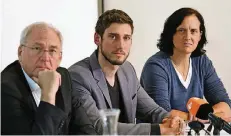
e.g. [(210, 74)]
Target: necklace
[(178, 69)]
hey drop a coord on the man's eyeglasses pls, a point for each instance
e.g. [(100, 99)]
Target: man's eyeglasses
[(39, 50)]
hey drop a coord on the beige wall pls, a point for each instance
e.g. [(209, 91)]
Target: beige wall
[(149, 17)]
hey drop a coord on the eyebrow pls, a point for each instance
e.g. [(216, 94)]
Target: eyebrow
[(50, 46), (118, 34), (195, 29), (186, 28)]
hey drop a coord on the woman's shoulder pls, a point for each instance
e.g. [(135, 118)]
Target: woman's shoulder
[(158, 60), (201, 60), (159, 57)]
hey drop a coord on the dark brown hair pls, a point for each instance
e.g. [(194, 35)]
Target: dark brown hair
[(165, 43), (112, 16)]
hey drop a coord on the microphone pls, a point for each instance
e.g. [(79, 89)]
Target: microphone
[(196, 126), (199, 108), (202, 110), (219, 123)]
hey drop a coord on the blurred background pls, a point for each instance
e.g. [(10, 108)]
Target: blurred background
[(76, 20), (149, 17)]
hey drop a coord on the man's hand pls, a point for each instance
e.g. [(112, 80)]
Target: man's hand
[(181, 114), (172, 126), (49, 82)]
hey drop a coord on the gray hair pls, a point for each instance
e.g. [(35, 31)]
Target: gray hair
[(28, 29)]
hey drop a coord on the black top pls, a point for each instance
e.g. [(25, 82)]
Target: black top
[(21, 116), (117, 102), (116, 98)]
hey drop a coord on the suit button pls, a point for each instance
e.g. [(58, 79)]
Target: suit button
[(61, 124)]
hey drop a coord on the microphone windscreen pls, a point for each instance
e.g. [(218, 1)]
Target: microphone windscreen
[(203, 111), (199, 108)]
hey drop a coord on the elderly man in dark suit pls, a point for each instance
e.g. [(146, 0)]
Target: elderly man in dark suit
[(35, 92), (106, 80)]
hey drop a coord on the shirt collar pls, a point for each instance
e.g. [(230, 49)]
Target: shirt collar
[(33, 85)]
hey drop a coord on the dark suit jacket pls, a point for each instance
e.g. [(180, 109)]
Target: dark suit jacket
[(91, 89), (20, 114)]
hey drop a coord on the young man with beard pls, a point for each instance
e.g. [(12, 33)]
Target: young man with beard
[(106, 80)]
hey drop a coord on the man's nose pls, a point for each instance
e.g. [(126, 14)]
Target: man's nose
[(45, 55), (121, 43)]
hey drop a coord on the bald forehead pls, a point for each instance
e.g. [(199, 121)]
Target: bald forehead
[(44, 37), (42, 32), (38, 28)]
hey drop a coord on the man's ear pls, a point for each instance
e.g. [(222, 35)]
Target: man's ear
[(20, 53), (97, 39), (60, 59)]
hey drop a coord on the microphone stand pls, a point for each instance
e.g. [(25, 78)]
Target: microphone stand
[(218, 125), (216, 131), (206, 132), (189, 132)]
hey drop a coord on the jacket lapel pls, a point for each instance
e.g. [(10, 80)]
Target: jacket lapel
[(63, 96), (24, 86), (59, 99), (26, 91), (125, 94), (99, 76)]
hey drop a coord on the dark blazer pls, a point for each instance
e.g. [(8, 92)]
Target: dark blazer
[(89, 85), (20, 114)]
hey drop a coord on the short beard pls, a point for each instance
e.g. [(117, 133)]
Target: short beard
[(113, 62)]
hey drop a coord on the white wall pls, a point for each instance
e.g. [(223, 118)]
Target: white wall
[(74, 18), (1, 13), (149, 17)]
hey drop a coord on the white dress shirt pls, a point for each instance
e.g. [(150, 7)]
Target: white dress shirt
[(36, 90)]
